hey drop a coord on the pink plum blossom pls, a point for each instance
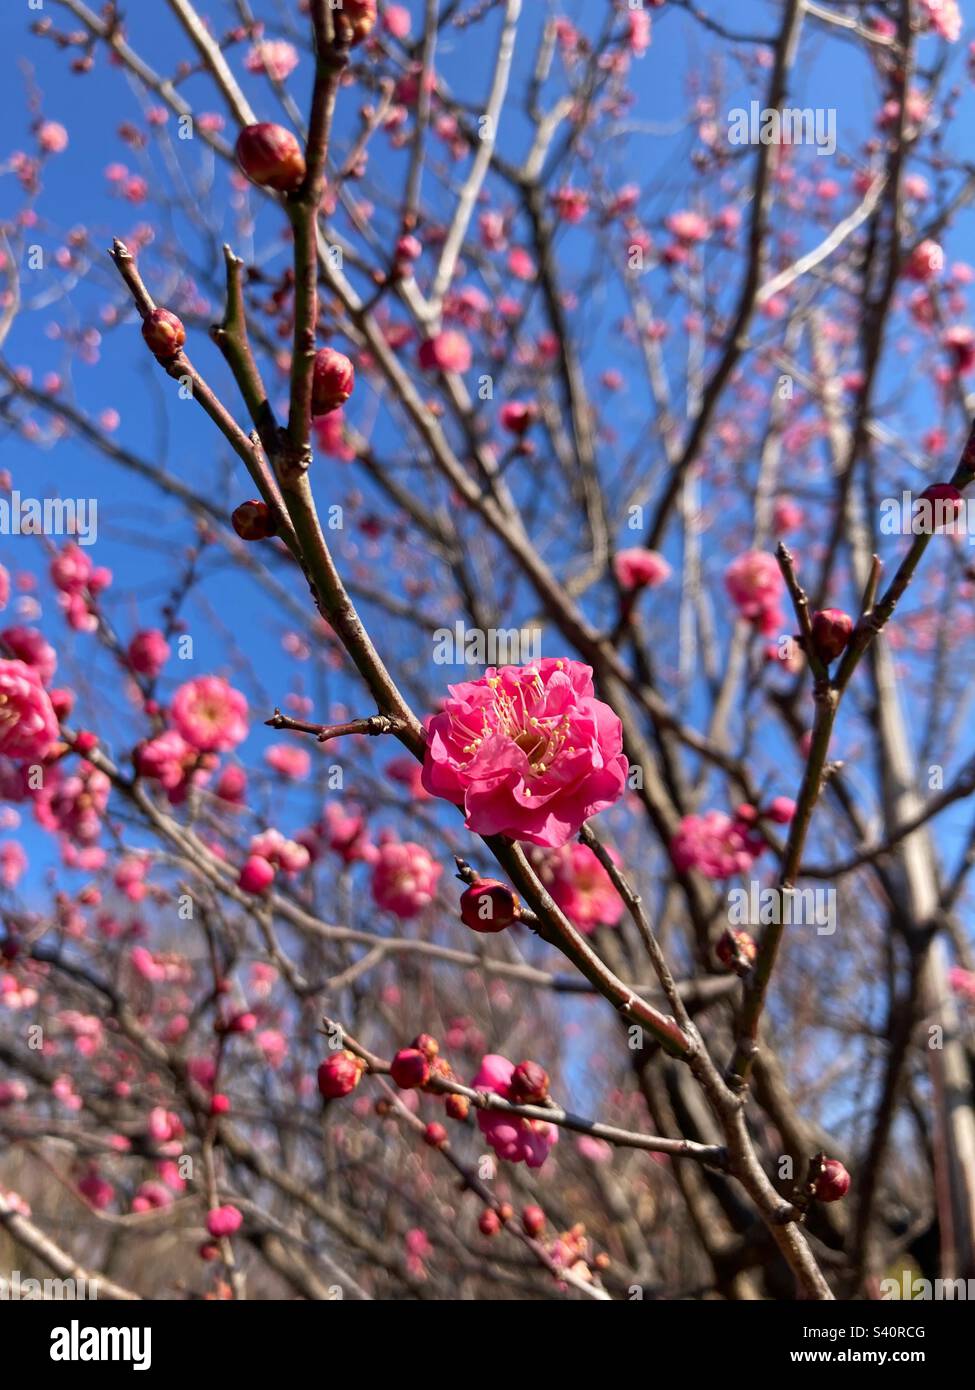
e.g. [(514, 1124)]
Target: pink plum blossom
[(404, 878), (512, 1138), (528, 751), (716, 845), (210, 714), (638, 568), (756, 587), (28, 724)]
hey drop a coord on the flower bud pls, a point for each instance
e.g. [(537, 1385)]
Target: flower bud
[(532, 1220), (332, 381), (833, 1182), (164, 333), (253, 520), (354, 20), (517, 417), (946, 505), (219, 1104), (529, 1084), (410, 1069), (423, 1042), (223, 1221), (340, 1074), (256, 875), (457, 1107), (831, 629), (435, 1135), (244, 1022), (736, 948), (489, 1223), (408, 248), (781, 809), (271, 157), (489, 906)]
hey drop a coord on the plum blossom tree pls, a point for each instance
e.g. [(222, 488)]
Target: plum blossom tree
[(633, 963)]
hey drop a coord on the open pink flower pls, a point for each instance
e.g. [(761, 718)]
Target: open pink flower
[(289, 760), (404, 878), (276, 57), (445, 352), (148, 652), (581, 886), (942, 17), (28, 724), (755, 585), (637, 567), (527, 751), (510, 1136), (29, 645), (166, 759), (716, 845), (345, 832), (688, 226), (52, 137), (210, 714), (13, 862)]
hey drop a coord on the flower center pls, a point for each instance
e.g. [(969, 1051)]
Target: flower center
[(540, 739)]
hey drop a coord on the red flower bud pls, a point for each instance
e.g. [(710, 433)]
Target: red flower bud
[(354, 20), (735, 947), (256, 875), (408, 249), (332, 381), (223, 1221), (532, 1220), (489, 1222), (253, 520), (423, 1042), (85, 741), (489, 906), (164, 333), (517, 417), (62, 701), (241, 1023), (435, 1135), (410, 1069), (271, 157), (529, 1083), (219, 1104), (833, 1182), (457, 1107), (946, 504), (831, 629), (340, 1074)]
